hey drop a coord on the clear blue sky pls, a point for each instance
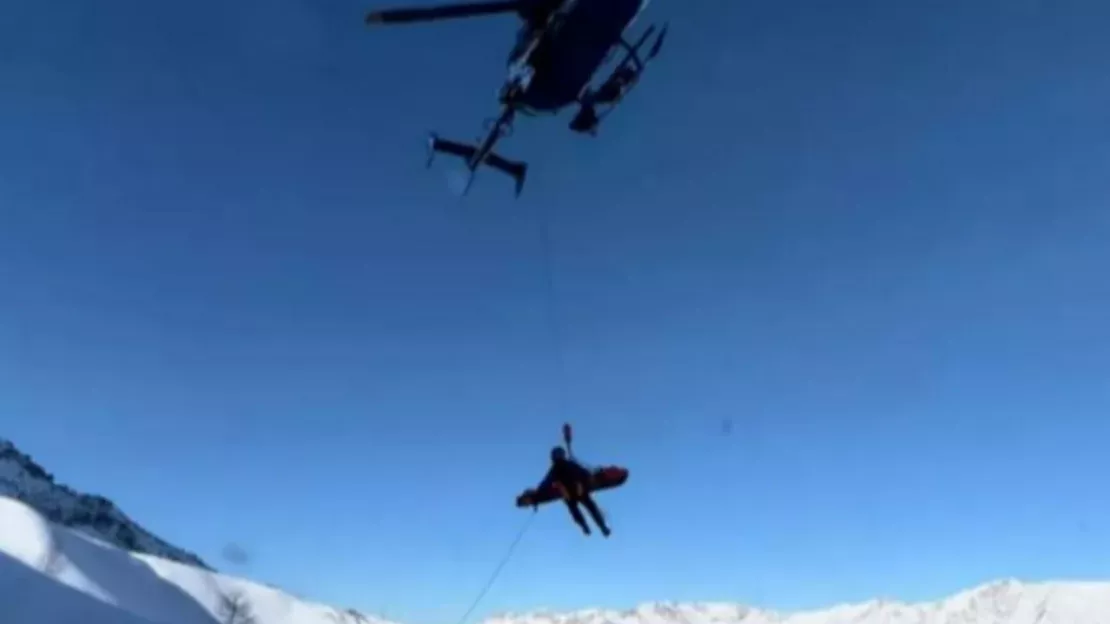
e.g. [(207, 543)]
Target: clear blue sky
[(873, 238)]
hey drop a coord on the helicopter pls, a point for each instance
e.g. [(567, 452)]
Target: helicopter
[(560, 46)]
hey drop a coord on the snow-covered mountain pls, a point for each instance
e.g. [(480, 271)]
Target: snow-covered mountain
[(67, 558), (23, 479), (1003, 602), (55, 575)]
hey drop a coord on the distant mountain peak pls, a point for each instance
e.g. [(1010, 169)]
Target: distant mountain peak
[(1006, 601), (24, 479)]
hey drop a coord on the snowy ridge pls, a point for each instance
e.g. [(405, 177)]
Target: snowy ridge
[(55, 575), (1003, 602), (23, 479), (68, 558)]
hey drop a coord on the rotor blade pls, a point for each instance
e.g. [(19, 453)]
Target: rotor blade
[(446, 11)]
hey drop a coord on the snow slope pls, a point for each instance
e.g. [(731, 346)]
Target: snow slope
[(51, 574), (22, 478), (69, 558), (1004, 602)]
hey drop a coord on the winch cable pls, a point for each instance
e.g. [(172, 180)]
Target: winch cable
[(497, 571)]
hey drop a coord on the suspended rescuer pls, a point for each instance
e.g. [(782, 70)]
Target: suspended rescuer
[(573, 480)]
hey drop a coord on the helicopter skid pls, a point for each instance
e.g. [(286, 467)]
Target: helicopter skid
[(622, 80)]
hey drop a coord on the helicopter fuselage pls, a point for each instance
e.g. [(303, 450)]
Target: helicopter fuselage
[(560, 47), (565, 58)]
